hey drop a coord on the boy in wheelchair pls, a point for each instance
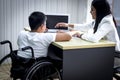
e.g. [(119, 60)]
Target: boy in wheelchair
[(37, 39)]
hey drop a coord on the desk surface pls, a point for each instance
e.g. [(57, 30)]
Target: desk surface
[(76, 43)]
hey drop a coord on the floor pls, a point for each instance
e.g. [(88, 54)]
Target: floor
[(4, 73)]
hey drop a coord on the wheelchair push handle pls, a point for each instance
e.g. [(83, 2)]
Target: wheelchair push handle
[(7, 41), (4, 42), (29, 47)]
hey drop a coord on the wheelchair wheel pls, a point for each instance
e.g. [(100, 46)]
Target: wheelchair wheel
[(43, 71), (5, 66)]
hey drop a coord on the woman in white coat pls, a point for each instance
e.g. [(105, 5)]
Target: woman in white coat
[(103, 26)]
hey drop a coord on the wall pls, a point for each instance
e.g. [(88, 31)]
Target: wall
[(14, 15), (89, 17), (116, 11)]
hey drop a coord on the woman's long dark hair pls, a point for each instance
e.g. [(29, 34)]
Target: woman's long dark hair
[(102, 9)]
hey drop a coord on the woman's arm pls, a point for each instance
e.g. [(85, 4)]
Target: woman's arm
[(103, 30), (80, 27)]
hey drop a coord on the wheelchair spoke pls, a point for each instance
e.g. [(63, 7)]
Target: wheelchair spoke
[(43, 71)]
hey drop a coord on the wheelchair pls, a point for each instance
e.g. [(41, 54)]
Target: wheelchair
[(29, 68)]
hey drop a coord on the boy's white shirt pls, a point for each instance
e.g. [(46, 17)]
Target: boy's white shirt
[(38, 41)]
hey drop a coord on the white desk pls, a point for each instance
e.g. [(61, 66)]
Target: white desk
[(83, 60), (76, 43)]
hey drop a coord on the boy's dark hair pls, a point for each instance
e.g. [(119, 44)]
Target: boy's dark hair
[(102, 9), (36, 19)]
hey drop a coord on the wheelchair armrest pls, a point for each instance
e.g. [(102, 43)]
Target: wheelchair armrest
[(28, 47)]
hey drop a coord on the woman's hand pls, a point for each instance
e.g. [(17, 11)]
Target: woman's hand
[(60, 31), (61, 24), (77, 35)]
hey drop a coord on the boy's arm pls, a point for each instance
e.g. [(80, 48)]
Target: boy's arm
[(63, 37)]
